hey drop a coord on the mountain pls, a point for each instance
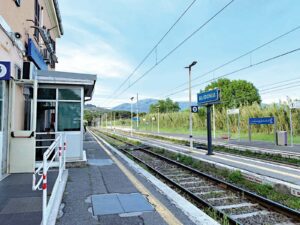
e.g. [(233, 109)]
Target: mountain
[(145, 104), (92, 107)]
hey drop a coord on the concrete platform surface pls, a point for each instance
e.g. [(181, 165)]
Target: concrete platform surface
[(19, 205), (103, 181)]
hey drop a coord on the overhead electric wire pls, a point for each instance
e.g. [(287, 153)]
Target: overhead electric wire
[(178, 46), (154, 48), (280, 82), (237, 58), (238, 70)]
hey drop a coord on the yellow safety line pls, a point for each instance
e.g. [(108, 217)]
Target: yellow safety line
[(165, 213)]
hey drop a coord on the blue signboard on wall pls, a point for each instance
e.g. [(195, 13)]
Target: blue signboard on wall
[(209, 97), (262, 121), (34, 55), (5, 70)]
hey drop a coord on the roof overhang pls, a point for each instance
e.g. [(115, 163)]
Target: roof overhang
[(87, 81)]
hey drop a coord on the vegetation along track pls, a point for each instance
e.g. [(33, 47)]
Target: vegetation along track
[(234, 203)]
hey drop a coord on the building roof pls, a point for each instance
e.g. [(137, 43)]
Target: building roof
[(87, 81)]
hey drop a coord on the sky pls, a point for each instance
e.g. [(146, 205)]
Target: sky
[(111, 38)]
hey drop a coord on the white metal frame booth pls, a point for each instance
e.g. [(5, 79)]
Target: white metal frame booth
[(60, 108)]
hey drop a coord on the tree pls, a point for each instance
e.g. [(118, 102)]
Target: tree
[(235, 93), (164, 106)]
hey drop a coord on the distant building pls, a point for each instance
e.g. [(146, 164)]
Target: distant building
[(34, 98)]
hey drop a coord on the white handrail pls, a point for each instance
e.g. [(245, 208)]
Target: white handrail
[(58, 147)]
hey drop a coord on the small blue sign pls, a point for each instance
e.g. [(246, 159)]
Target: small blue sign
[(5, 70), (34, 55), (262, 120), (194, 109), (135, 119), (207, 97)]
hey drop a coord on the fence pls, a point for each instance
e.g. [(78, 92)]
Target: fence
[(56, 151)]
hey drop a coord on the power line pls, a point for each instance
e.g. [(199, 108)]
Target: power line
[(239, 70), (237, 58), (154, 48), (178, 46), (284, 81)]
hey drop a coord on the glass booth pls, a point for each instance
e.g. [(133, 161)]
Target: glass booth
[(60, 108)]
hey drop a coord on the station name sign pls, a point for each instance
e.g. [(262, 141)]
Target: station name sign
[(295, 105), (5, 70), (262, 120), (233, 111), (209, 97)]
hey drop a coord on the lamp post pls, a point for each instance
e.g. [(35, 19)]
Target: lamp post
[(158, 119), (190, 102), (137, 111), (131, 115)]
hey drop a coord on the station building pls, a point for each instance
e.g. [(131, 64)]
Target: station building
[(36, 102)]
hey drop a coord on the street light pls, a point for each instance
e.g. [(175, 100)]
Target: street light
[(190, 102), (131, 115), (158, 119)]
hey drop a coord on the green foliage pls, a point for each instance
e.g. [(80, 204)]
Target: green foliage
[(235, 176), (235, 93), (164, 106)]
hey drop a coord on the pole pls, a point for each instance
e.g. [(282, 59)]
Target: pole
[(191, 116), (114, 121), (137, 110), (228, 131), (291, 127), (214, 121), (239, 126), (106, 120), (158, 120), (209, 141), (131, 119)]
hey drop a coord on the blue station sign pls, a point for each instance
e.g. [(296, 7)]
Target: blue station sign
[(262, 121), (34, 55), (5, 70), (208, 97)]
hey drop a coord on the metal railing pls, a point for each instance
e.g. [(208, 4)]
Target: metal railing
[(56, 151)]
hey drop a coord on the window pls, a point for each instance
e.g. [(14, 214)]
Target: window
[(46, 94), (36, 19), (69, 116), (69, 94)]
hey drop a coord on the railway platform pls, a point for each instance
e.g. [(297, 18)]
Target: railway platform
[(109, 191)]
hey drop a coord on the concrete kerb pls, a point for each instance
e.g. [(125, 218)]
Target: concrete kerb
[(280, 185), (194, 214), (58, 198)]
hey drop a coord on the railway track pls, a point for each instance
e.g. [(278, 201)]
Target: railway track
[(229, 201)]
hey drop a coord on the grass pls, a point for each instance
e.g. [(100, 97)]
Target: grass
[(197, 132)]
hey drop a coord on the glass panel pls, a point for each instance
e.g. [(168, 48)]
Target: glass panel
[(69, 94), (47, 93), (69, 116), (45, 121)]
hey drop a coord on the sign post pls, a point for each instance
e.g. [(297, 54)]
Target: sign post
[(293, 105), (262, 121), (233, 112), (208, 99)]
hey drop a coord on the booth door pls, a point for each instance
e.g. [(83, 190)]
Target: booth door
[(70, 123)]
